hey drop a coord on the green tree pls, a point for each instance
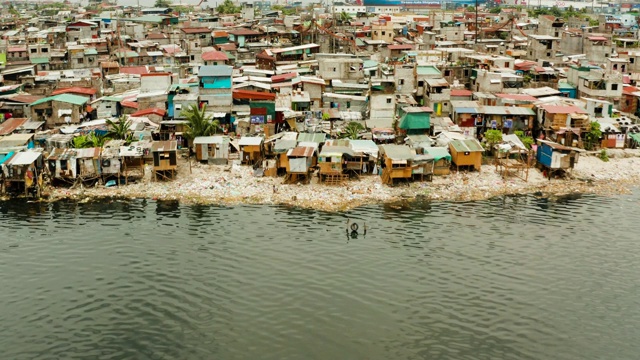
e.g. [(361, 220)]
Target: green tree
[(344, 17), (199, 123), (352, 130), (82, 142), (228, 7), (593, 136), (495, 10), (119, 129), (162, 4), (493, 137)]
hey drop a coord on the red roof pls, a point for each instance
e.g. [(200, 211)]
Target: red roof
[(220, 34), (10, 125), (252, 95), (227, 47), (214, 56), (629, 90), (129, 104), (283, 77), (156, 36), (151, 111), (520, 97), (75, 90), (461, 92), (195, 30), (400, 47), (563, 109), (16, 49), (597, 38), (134, 70), (24, 98)]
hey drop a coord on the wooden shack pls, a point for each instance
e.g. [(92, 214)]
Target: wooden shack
[(441, 158), (251, 149), (423, 166), (132, 159), (165, 159), (212, 149), (466, 152), (22, 171), (332, 162), (110, 163), (554, 158), (72, 165), (281, 152), (397, 163), (367, 152), (299, 164)]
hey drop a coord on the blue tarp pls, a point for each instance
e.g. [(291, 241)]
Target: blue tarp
[(7, 157)]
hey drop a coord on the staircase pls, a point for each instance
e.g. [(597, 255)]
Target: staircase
[(335, 179)]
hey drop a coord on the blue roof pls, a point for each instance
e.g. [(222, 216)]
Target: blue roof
[(7, 157)]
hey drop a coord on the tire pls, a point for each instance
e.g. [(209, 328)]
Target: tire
[(354, 227)]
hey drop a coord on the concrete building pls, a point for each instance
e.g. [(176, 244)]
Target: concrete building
[(382, 102), (382, 30), (343, 69), (215, 87), (543, 47)]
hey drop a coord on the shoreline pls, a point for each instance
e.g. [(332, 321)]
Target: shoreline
[(232, 185)]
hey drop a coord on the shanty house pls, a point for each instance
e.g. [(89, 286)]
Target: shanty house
[(212, 149), (300, 161), (441, 158), (59, 110), (332, 161), (132, 158), (466, 152), (22, 171), (251, 149), (554, 157), (72, 164), (165, 159), (415, 120), (397, 163), (215, 87)]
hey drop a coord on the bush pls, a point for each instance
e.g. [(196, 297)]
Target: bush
[(603, 155)]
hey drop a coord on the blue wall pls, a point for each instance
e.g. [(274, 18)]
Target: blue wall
[(215, 82)]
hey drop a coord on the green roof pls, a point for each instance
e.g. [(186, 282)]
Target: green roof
[(565, 85), (415, 120), (112, 98), (369, 63), (470, 145), (438, 153), (428, 70), (90, 51), (39, 60), (66, 98), (229, 55), (635, 136)]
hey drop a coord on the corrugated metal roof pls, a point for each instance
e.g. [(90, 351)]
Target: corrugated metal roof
[(282, 145), (11, 125), (215, 70), (301, 151), (336, 151), (250, 140), (398, 152), (506, 110), (311, 137), (62, 154), (470, 145), (24, 158), (210, 140), (365, 147)]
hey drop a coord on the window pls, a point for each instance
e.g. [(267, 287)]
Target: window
[(447, 73), (33, 51), (548, 54), (80, 61), (348, 104), (43, 67), (388, 100), (614, 87), (44, 50), (466, 72), (193, 57), (420, 83), (631, 60), (335, 69), (383, 33), (401, 81)]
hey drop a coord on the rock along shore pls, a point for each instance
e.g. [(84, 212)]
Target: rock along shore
[(233, 184)]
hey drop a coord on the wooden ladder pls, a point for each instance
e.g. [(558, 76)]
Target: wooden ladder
[(335, 179)]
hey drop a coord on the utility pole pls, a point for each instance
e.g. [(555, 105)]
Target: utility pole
[(476, 37), (335, 24)]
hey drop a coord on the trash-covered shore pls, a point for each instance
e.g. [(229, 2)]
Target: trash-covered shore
[(236, 184)]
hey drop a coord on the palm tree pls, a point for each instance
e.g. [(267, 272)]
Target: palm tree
[(344, 17), (82, 142), (198, 123), (352, 130), (119, 129)]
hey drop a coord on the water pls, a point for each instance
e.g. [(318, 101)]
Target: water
[(513, 278)]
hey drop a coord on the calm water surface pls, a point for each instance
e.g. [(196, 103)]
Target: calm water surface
[(512, 278)]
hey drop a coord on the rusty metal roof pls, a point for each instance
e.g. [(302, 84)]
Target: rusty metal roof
[(159, 146), (301, 151)]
